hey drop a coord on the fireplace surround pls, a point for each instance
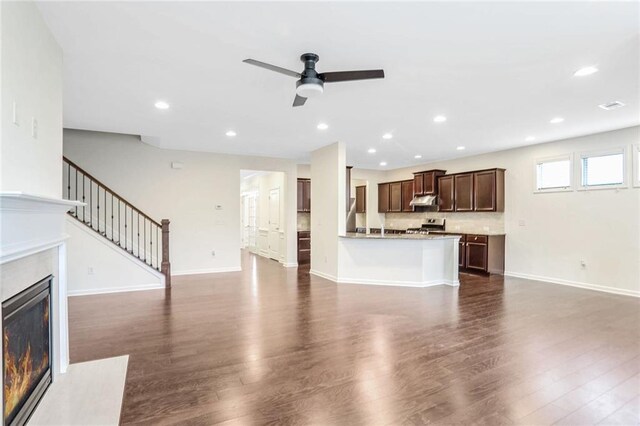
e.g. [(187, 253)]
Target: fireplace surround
[(26, 358)]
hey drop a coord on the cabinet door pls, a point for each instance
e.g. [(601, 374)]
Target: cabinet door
[(429, 185), (417, 183), (361, 199), (477, 256), (484, 191), (383, 198), (395, 197), (446, 193), (407, 195), (300, 191), (307, 195), (463, 192)]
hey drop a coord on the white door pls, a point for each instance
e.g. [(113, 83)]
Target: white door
[(274, 223)]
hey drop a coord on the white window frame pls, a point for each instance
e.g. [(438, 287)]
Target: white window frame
[(598, 153), (635, 170), (563, 157)]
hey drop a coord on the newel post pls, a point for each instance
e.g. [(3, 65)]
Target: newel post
[(166, 265)]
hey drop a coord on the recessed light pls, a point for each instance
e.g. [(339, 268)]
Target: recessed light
[(323, 126), (417, 156), (585, 71), (530, 138), (612, 105), (231, 133), (371, 150), (439, 119), (383, 163), (161, 105), (460, 148), (556, 120), (387, 136)]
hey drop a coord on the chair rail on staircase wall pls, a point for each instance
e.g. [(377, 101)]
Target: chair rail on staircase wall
[(117, 220)]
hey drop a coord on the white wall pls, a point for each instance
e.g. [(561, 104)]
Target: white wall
[(328, 218), (112, 268), (262, 184), (32, 78), (188, 197), (601, 227)]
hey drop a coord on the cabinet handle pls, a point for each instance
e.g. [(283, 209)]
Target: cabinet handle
[(475, 238)]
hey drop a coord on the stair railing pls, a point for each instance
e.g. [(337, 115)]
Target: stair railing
[(112, 216)]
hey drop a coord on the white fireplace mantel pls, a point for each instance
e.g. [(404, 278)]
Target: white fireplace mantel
[(31, 223)]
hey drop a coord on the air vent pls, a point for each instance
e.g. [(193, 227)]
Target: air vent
[(611, 105)]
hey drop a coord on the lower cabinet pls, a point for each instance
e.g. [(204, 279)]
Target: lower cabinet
[(482, 253), (304, 247)]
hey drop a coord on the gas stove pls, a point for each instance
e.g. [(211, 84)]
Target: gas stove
[(431, 225)]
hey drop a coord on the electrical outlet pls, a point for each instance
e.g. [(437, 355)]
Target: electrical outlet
[(90, 270), (213, 253), (521, 222), (583, 264)]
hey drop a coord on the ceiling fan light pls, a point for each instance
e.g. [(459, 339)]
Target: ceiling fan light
[(309, 90)]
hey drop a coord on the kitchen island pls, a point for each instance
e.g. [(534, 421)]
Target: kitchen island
[(398, 259)]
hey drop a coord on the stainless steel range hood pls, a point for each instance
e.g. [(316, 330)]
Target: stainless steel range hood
[(424, 201)]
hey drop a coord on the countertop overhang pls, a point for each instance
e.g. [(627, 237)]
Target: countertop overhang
[(360, 236)]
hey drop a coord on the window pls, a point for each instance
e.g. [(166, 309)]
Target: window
[(602, 169), (553, 174)]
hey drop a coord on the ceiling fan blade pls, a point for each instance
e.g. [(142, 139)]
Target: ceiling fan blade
[(299, 101), (334, 77), (272, 68)]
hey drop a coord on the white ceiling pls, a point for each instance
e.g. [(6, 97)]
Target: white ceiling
[(498, 71)]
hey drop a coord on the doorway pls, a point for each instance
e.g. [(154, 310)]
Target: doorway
[(274, 224)]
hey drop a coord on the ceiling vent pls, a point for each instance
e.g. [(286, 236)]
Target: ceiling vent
[(611, 105)]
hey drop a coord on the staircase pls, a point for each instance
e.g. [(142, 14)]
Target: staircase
[(117, 220)]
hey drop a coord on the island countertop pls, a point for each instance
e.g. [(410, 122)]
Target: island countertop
[(361, 236)]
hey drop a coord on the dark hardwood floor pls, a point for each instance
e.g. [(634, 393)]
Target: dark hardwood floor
[(274, 345)]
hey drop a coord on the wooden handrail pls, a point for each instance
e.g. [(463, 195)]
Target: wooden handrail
[(98, 182)]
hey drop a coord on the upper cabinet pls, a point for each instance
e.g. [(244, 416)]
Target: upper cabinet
[(407, 195), (446, 195), (361, 199), (383, 198), (463, 190), (426, 183), (304, 195), (478, 191)]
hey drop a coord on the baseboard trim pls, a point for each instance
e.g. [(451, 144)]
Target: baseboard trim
[(395, 283), (323, 275), (207, 271), (390, 283), (290, 265), (88, 292), (578, 284)]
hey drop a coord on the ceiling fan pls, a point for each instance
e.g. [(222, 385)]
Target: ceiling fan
[(311, 83)]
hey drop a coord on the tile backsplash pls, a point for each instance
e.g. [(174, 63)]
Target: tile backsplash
[(471, 223), (304, 221)]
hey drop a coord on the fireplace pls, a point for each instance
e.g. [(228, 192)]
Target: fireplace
[(26, 359)]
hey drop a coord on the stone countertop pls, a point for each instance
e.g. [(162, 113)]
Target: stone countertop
[(461, 232), (358, 236)]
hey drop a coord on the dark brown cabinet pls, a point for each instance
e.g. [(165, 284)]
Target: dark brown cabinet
[(446, 193), (395, 197), (462, 253), (304, 247), (383, 198), (482, 253), (463, 192), (488, 190), (407, 195), (304, 195), (426, 183), (361, 199)]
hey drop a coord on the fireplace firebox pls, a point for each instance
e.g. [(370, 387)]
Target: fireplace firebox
[(26, 358)]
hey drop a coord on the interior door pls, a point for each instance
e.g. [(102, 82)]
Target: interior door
[(274, 223)]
